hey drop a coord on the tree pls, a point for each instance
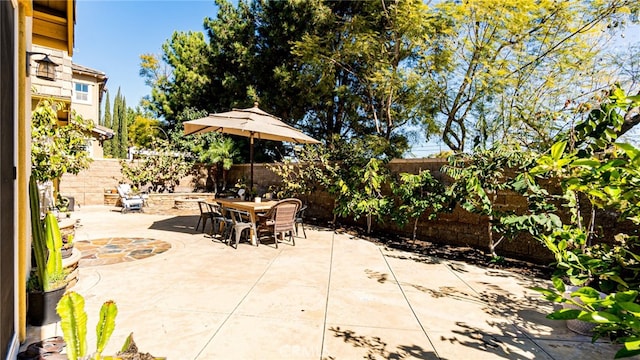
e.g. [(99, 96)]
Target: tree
[(123, 127), (479, 178), (302, 174), (120, 145), (156, 75), (594, 167), (232, 41), (355, 173), (628, 76), (279, 24), (219, 155), (329, 67), (143, 131), (502, 54), (476, 71), (360, 65), (163, 169), (628, 66), (417, 194), (108, 145), (188, 82), (58, 149)]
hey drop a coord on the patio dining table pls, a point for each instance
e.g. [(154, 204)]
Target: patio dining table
[(251, 207)]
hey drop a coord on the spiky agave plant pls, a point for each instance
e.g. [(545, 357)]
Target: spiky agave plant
[(74, 325)]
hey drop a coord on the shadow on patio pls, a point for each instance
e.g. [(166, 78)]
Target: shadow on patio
[(180, 223)]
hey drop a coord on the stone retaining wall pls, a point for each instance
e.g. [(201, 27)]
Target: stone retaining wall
[(89, 186), (458, 228)]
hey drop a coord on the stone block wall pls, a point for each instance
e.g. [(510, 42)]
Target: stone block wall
[(263, 178), (458, 228), (89, 186)]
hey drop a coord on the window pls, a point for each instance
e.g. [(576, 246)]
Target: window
[(88, 147), (81, 93)]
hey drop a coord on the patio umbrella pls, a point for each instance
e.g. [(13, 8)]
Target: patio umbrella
[(253, 123)]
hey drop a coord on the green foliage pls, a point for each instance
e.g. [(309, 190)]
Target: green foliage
[(417, 194), (469, 71), (362, 193), (603, 124), (329, 68), (46, 243), (609, 180), (360, 64), (604, 267), (355, 174), (121, 140), (143, 131), (217, 152), (187, 84), (616, 315), (57, 149), (53, 240), (119, 121), (211, 148), (478, 178), (163, 167), (74, 325), (107, 146), (500, 71), (303, 174)]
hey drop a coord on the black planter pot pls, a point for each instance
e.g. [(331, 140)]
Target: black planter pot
[(41, 308)]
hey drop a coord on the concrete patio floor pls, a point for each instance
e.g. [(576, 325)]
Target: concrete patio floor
[(331, 296)]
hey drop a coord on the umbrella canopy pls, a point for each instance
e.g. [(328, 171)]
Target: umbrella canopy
[(253, 123)]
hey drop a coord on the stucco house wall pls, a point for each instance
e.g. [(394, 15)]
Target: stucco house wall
[(78, 86), (60, 89), (87, 87)]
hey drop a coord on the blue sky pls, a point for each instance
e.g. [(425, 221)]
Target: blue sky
[(111, 35)]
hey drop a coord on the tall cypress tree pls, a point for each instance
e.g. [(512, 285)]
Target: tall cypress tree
[(106, 122), (124, 125), (116, 124)]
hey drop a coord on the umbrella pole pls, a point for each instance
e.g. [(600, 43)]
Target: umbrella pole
[(251, 159)]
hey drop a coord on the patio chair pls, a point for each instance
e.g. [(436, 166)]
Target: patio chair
[(300, 220), (241, 221), (241, 194), (205, 215), (129, 202), (280, 220), (218, 219)]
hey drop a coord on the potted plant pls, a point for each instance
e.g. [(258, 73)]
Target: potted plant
[(47, 283), (68, 234)]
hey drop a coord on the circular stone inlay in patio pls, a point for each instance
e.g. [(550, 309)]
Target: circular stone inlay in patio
[(116, 250)]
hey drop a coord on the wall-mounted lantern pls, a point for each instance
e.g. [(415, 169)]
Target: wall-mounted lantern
[(46, 67)]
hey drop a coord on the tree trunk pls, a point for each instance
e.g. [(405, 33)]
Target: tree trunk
[(631, 119), (492, 245), (214, 178)]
